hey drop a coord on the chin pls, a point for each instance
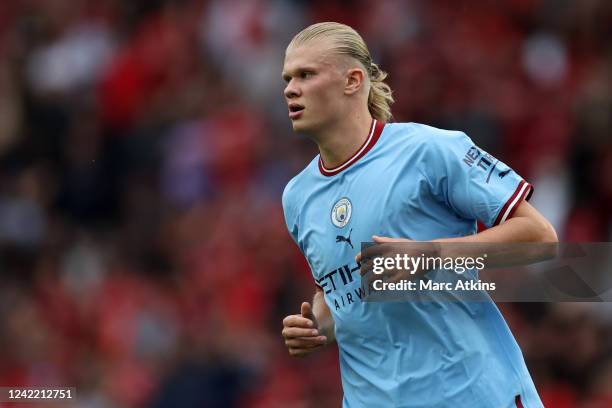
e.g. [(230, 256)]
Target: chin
[(305, 126), (299, 126)]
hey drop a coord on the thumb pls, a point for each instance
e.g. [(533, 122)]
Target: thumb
[(306, 311), (380, 240)]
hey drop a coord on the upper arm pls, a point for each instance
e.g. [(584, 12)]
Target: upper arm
[(536, 220), (472, 182), (290, 213)]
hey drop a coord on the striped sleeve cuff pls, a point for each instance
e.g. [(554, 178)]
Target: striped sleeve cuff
[(523, 192)]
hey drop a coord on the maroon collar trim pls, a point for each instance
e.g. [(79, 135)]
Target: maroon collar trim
[(373, 136)]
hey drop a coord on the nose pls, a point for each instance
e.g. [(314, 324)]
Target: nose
[(291, 90)]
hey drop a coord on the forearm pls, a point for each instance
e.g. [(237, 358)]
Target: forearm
[(534, 238), (519, 229), (323, 316)]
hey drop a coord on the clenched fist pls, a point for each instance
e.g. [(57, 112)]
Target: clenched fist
[(301, 332)]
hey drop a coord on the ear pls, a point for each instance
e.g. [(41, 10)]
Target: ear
[(355, 78)]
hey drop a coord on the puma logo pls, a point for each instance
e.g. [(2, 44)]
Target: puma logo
[(502, 174), (340, 238)]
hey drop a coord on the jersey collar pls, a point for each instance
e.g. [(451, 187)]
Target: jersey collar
[(375, 130)]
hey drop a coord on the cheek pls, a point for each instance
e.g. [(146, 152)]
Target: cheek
[(325, 95)]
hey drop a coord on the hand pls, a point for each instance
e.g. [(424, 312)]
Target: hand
[(405, 249), (301, 332), (383, 240)]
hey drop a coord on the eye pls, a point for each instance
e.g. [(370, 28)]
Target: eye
[(306, 74)]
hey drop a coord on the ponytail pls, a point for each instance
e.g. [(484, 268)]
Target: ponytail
[(380, 97)]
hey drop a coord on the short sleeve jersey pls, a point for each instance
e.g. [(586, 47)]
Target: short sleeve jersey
[(418, 182)]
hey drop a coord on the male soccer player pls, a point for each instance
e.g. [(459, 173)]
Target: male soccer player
[(374, 180)]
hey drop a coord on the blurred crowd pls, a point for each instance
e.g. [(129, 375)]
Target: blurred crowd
[(144, 146)]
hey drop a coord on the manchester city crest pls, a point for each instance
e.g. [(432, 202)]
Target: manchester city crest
[(341, 212)]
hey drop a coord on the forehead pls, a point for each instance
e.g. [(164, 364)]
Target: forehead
[(315, 53)]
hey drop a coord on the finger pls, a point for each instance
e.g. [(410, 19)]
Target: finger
[(381, 240), (366, 264), (306, 311), (366, 269), (370, 251), (306, 342), (291, 332), (361, 260), (297, 321), (299, 352), (295, 343)]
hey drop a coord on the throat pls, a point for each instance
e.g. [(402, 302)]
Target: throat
[(337, 149)]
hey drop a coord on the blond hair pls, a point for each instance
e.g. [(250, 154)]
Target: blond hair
[(347, 41)]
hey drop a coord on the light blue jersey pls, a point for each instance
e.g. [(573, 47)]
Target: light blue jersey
[(418, 182)]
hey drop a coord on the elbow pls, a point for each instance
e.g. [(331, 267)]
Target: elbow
[(548, 237), (539, 229), (542, 230), (548, 233)]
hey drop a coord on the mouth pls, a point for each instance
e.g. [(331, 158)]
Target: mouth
[(295, 110)]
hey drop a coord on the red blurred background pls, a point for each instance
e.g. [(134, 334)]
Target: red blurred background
[(144, 146)]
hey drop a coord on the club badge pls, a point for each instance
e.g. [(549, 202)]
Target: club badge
[(341, 212)]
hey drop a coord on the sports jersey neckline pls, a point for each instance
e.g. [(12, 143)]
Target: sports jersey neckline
[(375, 131)]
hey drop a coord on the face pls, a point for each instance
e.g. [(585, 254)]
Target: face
[(315, 86)]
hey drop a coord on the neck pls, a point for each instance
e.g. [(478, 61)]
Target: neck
[(339, 142)]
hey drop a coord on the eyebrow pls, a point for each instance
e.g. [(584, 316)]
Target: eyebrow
[(286, 74)]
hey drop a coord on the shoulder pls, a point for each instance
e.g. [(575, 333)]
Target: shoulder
[(289, 194), (424, 140), (297, 187), (422, 134)]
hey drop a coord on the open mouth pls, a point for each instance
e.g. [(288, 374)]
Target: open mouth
[(295, 110)]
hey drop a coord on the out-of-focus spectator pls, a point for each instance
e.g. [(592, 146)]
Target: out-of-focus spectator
[(144, 146)]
